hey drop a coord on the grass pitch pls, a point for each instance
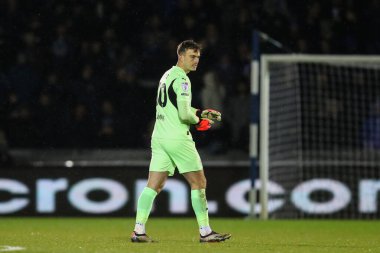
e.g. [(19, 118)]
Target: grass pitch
[(181, 236)]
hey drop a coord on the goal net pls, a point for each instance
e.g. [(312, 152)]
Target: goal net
[(320, 136)]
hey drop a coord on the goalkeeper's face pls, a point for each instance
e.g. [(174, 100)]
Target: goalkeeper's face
[(190, 60)]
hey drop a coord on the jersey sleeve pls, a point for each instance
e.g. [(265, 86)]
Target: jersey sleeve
[(182, 88), (185, 113), (194, 110)]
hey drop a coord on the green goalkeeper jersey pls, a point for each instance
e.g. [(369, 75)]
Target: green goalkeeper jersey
[(174, 86)]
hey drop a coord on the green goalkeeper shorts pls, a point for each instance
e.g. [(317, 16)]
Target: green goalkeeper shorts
[(169, 154)]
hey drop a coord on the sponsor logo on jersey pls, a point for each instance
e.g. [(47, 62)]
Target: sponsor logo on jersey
[(160, 117), (185, 87)]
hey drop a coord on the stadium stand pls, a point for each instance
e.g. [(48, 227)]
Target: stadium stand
[(83, 74)]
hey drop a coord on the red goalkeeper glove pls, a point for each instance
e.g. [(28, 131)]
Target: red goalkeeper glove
[(206, 118), (211, 114), (203, 124)]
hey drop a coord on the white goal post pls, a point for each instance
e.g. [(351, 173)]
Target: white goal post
[(319, 136)]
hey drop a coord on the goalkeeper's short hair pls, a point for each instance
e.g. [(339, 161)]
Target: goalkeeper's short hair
[(188, 44)]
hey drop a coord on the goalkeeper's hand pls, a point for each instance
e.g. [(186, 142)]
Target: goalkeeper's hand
[(211, 114), (204, 124)]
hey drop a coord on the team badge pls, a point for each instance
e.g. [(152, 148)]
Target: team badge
[(185, 87)]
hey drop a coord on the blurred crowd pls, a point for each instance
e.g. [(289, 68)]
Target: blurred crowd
[(83, 74)]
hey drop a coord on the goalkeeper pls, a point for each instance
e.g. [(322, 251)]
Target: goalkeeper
[(173, 146)]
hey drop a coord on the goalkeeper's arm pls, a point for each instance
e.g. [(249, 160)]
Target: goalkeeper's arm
[(192, 116), (186, 113)]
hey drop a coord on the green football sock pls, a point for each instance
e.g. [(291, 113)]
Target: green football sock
[(144, 204), (199, 203)]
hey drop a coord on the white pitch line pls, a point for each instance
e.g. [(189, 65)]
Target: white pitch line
[(4, 248)]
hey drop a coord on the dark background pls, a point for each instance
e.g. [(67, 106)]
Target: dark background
[(83, 74)]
